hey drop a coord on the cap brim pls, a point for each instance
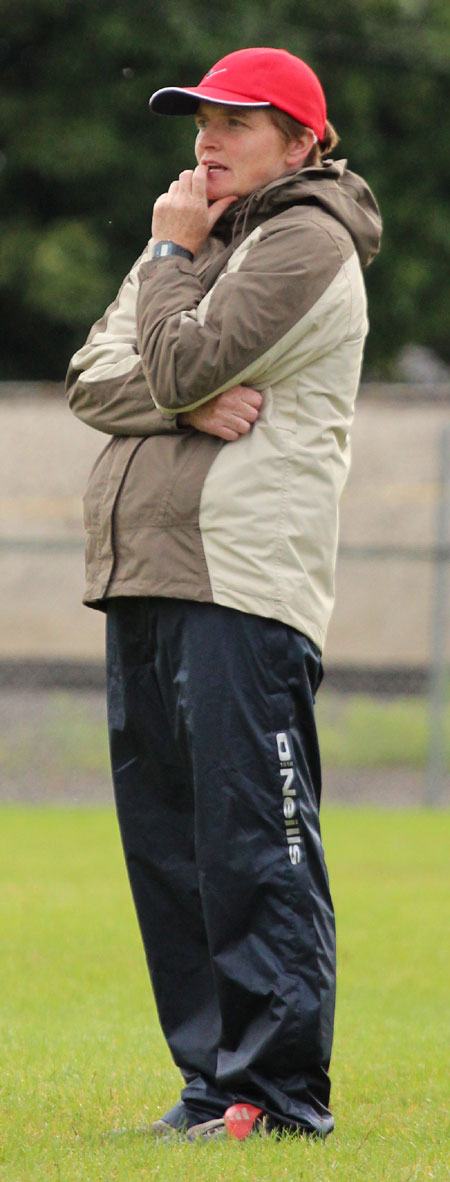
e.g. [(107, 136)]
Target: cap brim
[(176, 100)]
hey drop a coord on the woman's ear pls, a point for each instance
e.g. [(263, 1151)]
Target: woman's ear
[(299, 149)]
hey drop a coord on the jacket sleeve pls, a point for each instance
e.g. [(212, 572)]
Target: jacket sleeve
[(195, 344), (106, 384)]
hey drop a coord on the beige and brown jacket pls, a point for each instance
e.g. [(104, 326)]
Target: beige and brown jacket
[(275, 300)]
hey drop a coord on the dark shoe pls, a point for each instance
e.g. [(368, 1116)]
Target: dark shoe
[(179, 1121), (206, 1130), (183, 1121)]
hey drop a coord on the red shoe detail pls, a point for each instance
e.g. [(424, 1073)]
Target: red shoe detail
[(240, 1119)]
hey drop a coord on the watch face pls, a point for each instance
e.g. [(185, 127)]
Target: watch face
[(162, 249)]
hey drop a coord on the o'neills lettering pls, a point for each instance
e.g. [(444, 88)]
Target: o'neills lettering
[(289, 798)]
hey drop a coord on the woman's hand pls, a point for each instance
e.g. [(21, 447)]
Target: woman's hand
[(227, 416), (183, 215)]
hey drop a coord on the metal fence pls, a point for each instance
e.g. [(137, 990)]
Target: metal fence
[(383, 710)]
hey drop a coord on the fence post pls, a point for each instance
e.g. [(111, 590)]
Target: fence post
[(438, 647)]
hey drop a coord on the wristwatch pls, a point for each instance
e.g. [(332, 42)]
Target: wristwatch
[(162, 250)]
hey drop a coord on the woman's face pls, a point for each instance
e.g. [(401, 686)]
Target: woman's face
[(241, 149)]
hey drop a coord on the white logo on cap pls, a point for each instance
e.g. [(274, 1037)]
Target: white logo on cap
[(212, 73)]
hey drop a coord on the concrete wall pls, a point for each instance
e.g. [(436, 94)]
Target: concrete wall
[(382, 614)]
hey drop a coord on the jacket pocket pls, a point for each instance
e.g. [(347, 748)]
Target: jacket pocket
[(100, 456), (281, 408), (105, 479)]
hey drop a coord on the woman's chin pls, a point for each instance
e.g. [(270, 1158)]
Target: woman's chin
[(218, 186)]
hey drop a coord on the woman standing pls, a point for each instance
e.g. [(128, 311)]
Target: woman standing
[(226, 372)]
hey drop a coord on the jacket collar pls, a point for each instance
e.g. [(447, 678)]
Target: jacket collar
[(331, 185)]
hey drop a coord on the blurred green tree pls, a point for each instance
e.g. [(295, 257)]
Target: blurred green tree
[(82, 160)]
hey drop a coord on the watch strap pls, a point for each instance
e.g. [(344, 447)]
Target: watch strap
[(162, 250)]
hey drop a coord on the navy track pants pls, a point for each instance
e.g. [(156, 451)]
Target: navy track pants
[(216, 774)]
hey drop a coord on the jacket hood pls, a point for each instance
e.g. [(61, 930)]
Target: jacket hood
[(342, 193)]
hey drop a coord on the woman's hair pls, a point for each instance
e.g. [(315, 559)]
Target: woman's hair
[(291, 130)]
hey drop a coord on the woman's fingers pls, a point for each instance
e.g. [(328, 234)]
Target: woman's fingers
[(228, 415), (243, 401)]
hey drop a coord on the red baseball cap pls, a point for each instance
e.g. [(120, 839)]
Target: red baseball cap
[(253, 78)]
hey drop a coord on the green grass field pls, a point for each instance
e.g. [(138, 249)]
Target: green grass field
[(81, 1048)]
